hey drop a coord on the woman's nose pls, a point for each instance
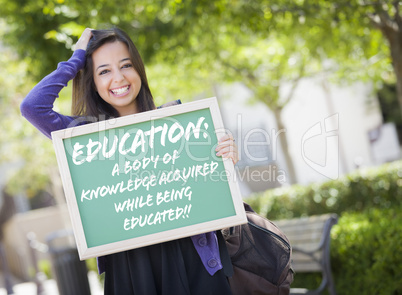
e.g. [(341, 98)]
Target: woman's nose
[(118, 76)]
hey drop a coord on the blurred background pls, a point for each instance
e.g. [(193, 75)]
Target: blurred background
[(310, 90)]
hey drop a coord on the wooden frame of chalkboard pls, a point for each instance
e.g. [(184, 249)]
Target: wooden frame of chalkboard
[(147, 178)]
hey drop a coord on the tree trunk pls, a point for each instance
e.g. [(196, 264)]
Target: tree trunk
[(394, 37), (284, 145), (397, 64)]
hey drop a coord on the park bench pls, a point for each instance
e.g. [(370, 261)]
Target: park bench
[(310, 241)]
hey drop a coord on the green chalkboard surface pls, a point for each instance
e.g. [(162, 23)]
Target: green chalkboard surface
[(147, 178)]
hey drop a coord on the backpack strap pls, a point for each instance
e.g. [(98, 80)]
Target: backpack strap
[(225, 258)]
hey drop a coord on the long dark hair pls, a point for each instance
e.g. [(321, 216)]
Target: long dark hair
[(86, 100)]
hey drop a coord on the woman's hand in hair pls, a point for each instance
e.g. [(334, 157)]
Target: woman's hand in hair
[(227, 148), (82, 42)]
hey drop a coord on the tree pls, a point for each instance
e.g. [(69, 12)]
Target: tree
[(188, 45), (36, 35), (21, 146), (282, 42), (363, 37), (44, 31), (386, 17)]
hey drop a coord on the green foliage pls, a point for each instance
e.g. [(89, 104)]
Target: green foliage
[(379, 187), (14, 139), (366, 252), (365, 244), (389, 107), (232, 39), (45, 267), (189, 46), (309, 281), (29, 154), (93, 266)]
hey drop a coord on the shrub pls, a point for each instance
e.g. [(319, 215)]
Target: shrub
[(379, 187), (366, 252)]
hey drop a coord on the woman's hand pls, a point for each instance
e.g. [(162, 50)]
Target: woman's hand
[(82, 42), (227, 148)]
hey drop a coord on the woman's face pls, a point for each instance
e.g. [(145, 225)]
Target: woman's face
[(116, 80)]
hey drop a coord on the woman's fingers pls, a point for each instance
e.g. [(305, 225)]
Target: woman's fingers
[(226, 141), (226, 137), (225, 145), (225, 151), (82, 42), (227, 148)]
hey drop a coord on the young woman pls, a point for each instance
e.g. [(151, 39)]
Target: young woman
[(110, 81)]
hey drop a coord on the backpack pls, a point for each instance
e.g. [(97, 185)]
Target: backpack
[(261, 257)]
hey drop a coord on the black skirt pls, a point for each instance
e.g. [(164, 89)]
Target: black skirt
[(171, 268)]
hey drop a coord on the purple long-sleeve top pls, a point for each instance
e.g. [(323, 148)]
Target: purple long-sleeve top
[(37, 108)]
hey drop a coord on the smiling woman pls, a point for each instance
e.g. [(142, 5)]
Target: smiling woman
[(110, 81), (116, 75), (116, 80)]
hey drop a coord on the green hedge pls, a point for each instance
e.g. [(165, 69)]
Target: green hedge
[(379, 187), (366, 243), (366, 252)]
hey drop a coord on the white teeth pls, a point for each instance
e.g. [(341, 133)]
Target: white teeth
[(119, 91)]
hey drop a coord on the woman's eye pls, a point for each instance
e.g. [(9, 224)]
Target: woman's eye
[(103, 72), (127, 66)]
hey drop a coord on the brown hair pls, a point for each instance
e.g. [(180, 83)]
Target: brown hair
[(86, 100)]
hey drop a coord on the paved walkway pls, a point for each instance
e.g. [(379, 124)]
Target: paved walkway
[(50, 286)]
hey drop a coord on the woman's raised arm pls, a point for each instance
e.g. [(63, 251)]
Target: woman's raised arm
[(37, 107)]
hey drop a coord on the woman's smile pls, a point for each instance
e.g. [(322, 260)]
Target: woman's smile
[(121, 91), (116, 80)]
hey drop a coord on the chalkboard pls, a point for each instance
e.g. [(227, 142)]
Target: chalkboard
[(147, 178)]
